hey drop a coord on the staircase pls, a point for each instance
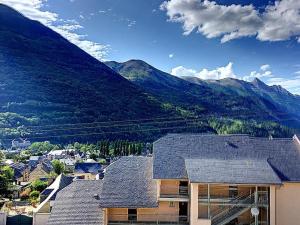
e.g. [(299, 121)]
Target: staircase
[(240, 205)]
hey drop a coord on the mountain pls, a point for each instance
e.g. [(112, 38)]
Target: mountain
[(52, 90), (47, 80), (283, 105), (229, 97)]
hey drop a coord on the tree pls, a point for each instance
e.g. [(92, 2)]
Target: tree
[(42, 147), (34, 195), (2, 156), (39, 185), (6, 176), (58, 166), (93, 156)]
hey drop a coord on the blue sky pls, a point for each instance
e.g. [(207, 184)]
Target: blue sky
[(184, 37)]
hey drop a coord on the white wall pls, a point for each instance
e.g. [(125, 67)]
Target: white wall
[(288, 204), (40, 218), (3, 218)]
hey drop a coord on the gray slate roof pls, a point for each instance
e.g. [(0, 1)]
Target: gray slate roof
[(128, 183), (230, 171), (170, 153), (76, 204)]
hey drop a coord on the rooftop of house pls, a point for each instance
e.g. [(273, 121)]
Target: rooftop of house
[(57, 152), (128, 183), (78, 203), (68, 161), (60, 182), (87, 167), (34, 158), (18, 168), (172, 151), (237, 171)]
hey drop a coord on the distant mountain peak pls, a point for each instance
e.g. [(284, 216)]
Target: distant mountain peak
[(258, 83)]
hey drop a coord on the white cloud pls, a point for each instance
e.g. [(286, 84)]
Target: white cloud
[(181, 71), (218, 73), (277, 22), (265, 67), (171, 55), (292, 84), (265, 72), (131, 23), (67, 28)]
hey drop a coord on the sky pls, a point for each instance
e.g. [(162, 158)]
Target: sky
[(208, 39)]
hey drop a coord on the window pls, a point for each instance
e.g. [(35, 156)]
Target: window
[(132, 214), (233, 191)]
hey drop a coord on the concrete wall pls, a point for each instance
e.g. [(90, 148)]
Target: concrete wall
[(194, 220), (288, 204), (45, 208), (3, 217), (40, 218)]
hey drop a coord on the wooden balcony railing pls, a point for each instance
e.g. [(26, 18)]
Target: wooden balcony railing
[(174, 192), (147, 218)]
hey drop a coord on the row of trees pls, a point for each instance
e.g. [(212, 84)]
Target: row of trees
[(106, 148)]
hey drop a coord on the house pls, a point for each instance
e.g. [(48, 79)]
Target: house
[(41, 171), (20, 143), (69, 164), (47, 197), (87, 170), (194, 179), (21, 172), (57, 154), (34, 161)]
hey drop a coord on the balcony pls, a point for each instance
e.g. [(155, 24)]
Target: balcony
[(174, 192), (118, 219), (262, 200)]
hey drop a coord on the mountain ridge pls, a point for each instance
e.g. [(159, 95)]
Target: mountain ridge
[(270, 102), (50, 89)]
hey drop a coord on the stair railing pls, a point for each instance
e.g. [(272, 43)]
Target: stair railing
[(235, 201), (227, 211)]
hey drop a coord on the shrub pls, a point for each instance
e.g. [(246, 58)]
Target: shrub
[(34, 195), (39, 185)]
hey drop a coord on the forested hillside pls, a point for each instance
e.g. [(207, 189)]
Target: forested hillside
[(52, 90)]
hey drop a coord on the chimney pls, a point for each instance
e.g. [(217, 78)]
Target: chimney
[(297, 138), (270, 137)]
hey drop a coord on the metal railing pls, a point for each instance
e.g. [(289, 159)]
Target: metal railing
[(263, 199), (239, 200), (147, 218), (248, 200)]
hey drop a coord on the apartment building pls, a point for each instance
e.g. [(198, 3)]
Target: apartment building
[(194, 179)]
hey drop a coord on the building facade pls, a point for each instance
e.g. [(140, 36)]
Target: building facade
[(200, 180)]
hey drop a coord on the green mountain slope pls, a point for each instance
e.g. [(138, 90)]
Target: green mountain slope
[(52, 90), (47, 80), (227, 97)]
